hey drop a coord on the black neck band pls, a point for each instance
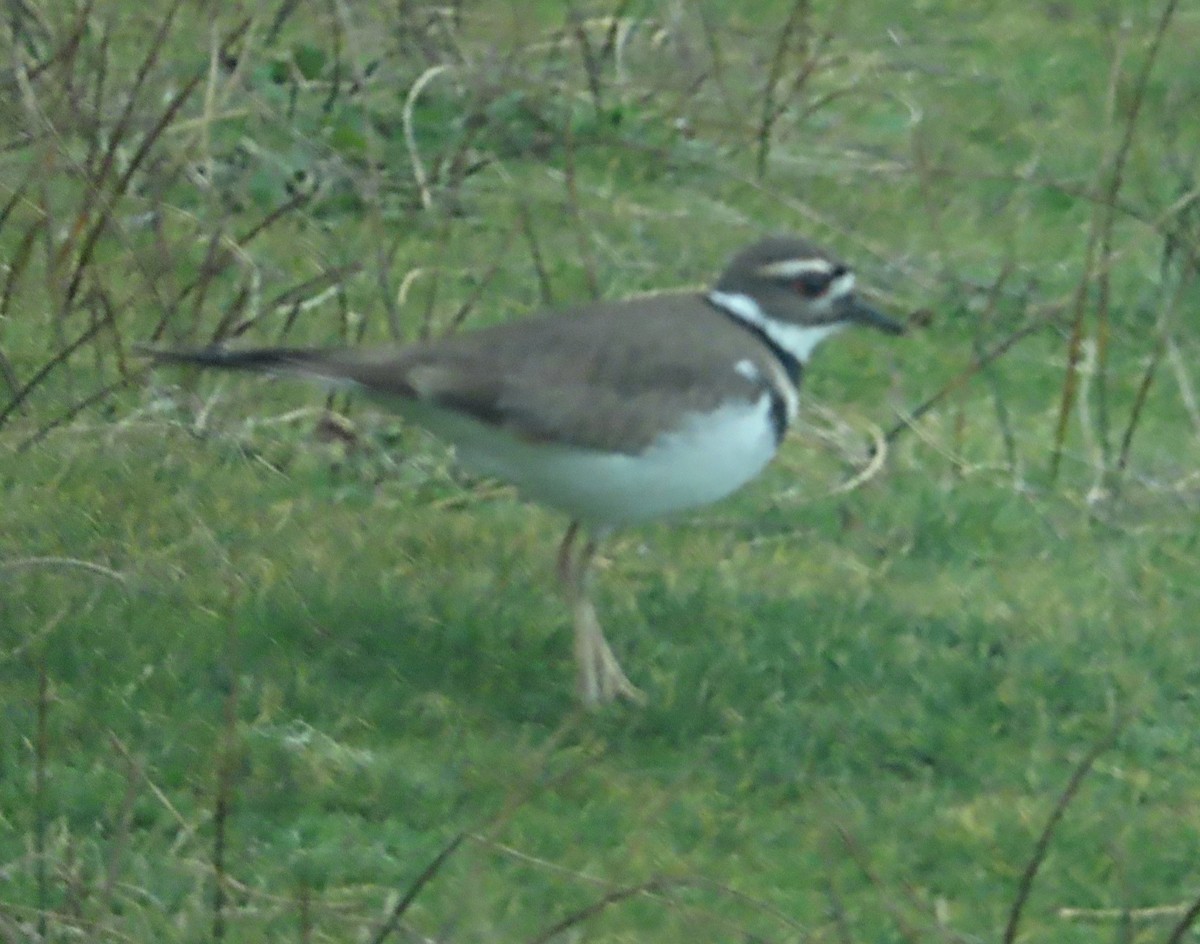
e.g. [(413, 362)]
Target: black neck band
[(791, 364)]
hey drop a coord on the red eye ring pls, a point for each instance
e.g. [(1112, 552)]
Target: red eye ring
[(816, 282)]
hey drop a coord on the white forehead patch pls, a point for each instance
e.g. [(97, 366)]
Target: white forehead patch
[(840, 287), (794, 268)]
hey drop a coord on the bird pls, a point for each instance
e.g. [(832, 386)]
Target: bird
[(613, 412)]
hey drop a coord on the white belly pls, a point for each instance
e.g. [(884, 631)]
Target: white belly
[(709, 457)]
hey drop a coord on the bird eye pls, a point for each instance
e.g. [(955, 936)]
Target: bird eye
[(812, 284)]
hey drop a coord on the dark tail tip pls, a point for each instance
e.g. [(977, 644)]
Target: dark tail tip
[(219, 357)]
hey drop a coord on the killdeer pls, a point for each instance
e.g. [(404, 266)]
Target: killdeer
[(612, 412)]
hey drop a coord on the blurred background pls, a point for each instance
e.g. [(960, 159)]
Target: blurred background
[(272, 669)]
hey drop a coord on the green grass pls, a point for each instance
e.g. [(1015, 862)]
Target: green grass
[(922, 682), (219, 632)]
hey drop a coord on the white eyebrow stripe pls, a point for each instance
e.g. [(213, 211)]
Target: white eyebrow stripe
[(794, 268)]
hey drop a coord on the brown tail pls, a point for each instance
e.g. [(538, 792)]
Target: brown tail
[(379, 372)]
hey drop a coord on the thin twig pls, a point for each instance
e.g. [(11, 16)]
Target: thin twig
[(535, 251), (97, 396), (47, 368), (23, 562), (903, 926), (149, 139), (1086, 372), (41, 750), (440, 252), (837, 910), (1162, 342), (410, 135), (591, 63), (653, 886), (185, 828), (1187, 392), (1001, 409), (119, 840), (1103, 274), (1151, 913), (578, 226), (1070, 387), (1098, 235), (797, 16), (1185, 923), (17, 262), (427, 875), (978, 363), (1025, 886), (116, 139), (482, 283), (315, 289), (226, 763)]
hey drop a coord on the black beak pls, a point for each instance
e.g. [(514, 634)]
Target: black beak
[(858, 312)]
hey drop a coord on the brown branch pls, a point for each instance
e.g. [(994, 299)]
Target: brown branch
[(1185, 924), (41, 747), (797, 16), (427, 875), (1025, 886), (1161, 345), (591, 63), (60, 357), (978, 363), (481, 284), (1100, 234), (585, 250), (535, 251), (653, 886)]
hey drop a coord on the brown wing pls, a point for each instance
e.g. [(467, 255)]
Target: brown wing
[(601, 378)]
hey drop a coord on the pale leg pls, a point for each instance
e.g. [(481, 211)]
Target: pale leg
[(600, 679)]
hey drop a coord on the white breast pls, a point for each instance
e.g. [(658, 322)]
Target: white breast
[(706, 458)]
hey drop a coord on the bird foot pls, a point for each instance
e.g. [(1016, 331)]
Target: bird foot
[(602, 681), (601, 678)]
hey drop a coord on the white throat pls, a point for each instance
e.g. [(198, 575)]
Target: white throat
[(798, 340)]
